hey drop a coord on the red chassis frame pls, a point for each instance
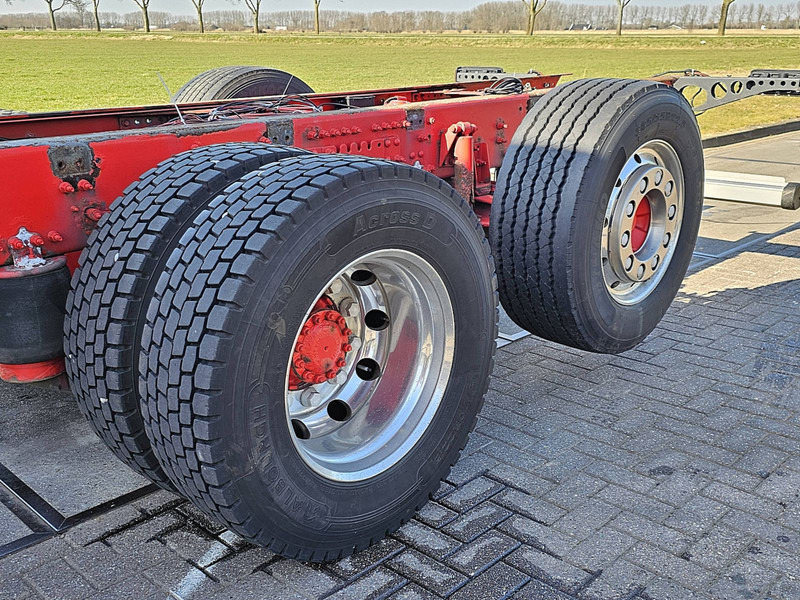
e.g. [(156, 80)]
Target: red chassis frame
[(59, 172)]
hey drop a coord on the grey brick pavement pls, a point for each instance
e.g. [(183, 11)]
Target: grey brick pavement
[(669, 472)]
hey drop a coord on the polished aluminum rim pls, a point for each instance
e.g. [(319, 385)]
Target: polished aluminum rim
[(382, 390), (642, 222)]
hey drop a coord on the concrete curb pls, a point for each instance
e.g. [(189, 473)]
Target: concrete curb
[(746, 135)]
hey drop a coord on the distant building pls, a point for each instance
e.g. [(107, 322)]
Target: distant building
[(579, 27)]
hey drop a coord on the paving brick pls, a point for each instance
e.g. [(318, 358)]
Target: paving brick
[(435, 515), (618, 581), (176, 575), (14, 588), (234, 567), (133, 588), (538, 590), (718, 548), (538, 535), (57, 579), (761, 507), (553, 571), (666, 589), (101, 566), (650, 531), (638, 503), (96, 528), (573, 492), (599, 549), (378, 583), (470, 467), (477, 521), (478, 555), (412, 591), (745, 579), (307, 580), (498, 581), (358, 563), (527, 505), (588, 517), (472, 494), (258, 586), (425, 539), (696, 516), (430, 574), (668, 565), (521, 480)]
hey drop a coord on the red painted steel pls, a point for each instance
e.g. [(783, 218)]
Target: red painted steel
[(62, 184), (32, 372), (321, 347)]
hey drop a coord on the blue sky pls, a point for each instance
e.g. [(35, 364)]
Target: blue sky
[(185, 6)]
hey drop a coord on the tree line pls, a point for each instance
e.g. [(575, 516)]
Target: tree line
[(491, 17)]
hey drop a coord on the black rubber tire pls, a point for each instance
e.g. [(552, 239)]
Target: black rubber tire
[(228, 83), (118, 269), (219, 336), (549, 207)]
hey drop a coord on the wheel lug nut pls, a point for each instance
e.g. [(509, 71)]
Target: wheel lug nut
[(341, 362), (347, 331), (667, 237), (643, 186), (659, 177), (320, 379), (347, 347), (629, 263), (668, 189), (655, 262), (630, 209), (640, 271), (625, 239), (330, 374), (298, 363), (672, 210)]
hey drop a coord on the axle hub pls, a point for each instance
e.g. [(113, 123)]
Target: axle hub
[(321, 346)]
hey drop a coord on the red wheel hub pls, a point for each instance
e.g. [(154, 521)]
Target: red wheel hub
[(641, 224), (321, 347)]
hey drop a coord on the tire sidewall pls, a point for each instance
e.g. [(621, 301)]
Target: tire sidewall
[(660, 114), (268, 472)]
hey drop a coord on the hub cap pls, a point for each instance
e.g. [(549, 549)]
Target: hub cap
[(642, 222), (370, 365)]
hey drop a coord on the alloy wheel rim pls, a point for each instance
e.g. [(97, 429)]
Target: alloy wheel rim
[(370, 365), (642, 222)]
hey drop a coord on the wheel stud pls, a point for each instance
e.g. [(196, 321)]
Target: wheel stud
[(347, 347), (630, 209), (667, 237), (626, 237), (340, 363), (655, 262), (629, 263), (643, 186), (640, 271), (659, 177), (668, 189), (672, 210)]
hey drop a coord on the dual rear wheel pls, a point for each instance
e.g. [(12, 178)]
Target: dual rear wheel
[(301, 353)]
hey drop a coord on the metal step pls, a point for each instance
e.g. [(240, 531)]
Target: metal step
[(767, 190)]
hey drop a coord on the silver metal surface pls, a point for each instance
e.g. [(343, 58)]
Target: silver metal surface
[(653, 172), (750, 188), (388, 414)]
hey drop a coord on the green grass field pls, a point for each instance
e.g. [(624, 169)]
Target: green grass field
[(47, 71)]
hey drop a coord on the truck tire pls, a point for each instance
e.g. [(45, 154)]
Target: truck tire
[(228, 83), (316, 306), (596, 212), (118, 268)]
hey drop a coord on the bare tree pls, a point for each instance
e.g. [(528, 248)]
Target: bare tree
[(622, 4), (316, 16), (534, 8), (198, 6), (254, 6), (96, 10), (723, 16), (52, 8), (144, 6)]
